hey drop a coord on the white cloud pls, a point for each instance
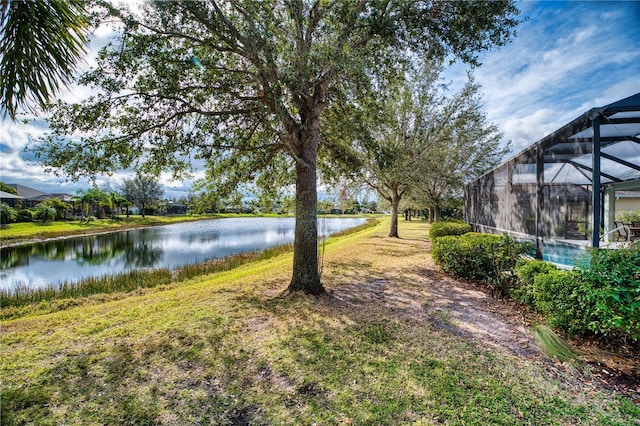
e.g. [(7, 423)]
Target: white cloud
[(568, 58), (14, 136), (522, 131)]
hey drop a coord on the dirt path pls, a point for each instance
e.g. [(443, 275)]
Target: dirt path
[(414, 288), (458, 307)]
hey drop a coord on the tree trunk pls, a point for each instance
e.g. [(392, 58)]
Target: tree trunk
[(436, 213), (395, 205), (305, 247)]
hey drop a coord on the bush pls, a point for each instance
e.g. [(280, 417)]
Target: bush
[(526, 271), (481, 257), (601, 296), (7, 213), (464, 256), (562, 298), (24, 215), (628, 217), (441, 229), (45, 214), (60, 207), (613, 278)]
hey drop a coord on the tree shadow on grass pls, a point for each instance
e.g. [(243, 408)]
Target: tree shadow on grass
[(162, 380)]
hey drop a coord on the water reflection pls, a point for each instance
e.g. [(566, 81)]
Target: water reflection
[(167, 246)]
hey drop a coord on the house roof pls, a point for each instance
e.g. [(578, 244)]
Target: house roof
[(9, 195), (26, 192), (628, 194)]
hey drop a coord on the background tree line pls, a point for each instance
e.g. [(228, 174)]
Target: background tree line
[(144, 192)]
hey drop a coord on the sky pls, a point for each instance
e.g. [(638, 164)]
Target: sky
[(566, 58)]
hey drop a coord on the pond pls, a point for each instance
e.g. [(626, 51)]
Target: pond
[(168, 246)]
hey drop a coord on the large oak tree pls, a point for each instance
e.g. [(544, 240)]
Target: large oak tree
[(242, 86)]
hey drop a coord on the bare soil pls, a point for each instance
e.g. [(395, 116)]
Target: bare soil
[(468, 310)]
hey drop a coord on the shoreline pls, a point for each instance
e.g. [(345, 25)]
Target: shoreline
[(24, 242), (19, 241)]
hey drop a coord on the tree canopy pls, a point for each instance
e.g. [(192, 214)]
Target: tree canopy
[(143, 191), (9, 189), (240, 87), (418, 140)]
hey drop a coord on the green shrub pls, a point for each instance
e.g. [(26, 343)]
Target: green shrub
[(601, 296), (441, 229), (60, 207), (24, 215), (505, 255), (628, 217), (7, 213), (45, 213), (613, 278), (562, 298), (480, 257), (526, 270), (464, 256)]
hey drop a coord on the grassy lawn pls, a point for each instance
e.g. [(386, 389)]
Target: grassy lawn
[(225, 349)]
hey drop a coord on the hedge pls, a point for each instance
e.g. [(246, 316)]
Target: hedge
[(480, 257), (561, 297), (613, 281), (601, 296), (526, 270), (441, 229)]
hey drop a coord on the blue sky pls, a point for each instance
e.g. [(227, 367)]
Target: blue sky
[(567, 58)]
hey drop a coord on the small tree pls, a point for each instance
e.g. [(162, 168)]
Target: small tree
[(93, 198), (58, 205), (143, 191), (117, 201), (202, 202), (325, 206), (287, 204), (235, 201), (45, 213), (9, 189)]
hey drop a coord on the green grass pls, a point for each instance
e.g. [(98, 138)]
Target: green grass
[(223, 349), (25, 231)]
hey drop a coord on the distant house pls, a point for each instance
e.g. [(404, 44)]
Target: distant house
[(627, 200), (9, 199), (177, 208), (32, 197)]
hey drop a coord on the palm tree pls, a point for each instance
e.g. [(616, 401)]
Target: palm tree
[(41, 42)]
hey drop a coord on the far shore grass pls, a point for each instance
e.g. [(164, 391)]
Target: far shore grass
[(27, 232), (225, 348)]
